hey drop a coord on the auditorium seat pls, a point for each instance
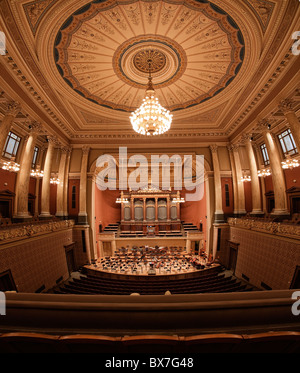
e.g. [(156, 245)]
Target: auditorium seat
[(269, 342), (82, 343), (29, 342), (209, 282), (210, 343), (151, 343), (272, 342)]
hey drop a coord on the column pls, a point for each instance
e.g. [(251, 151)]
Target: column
[(66, 182), (122, 206), (257, 151), (37, 183), (24, 173), (178, 205), (156, 210), (132, 208), (280, 209), (234, 181), (286, 106), (240, 185), (82, 216), (255, 187), (12, 109), (219, 213), (60, 186), (45, 200), (144, 208), (168, 208)]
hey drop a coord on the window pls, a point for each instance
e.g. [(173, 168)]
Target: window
[(287, 143), (11, 145), (73, 197), (265, 154), (34, 158), (227, 195)]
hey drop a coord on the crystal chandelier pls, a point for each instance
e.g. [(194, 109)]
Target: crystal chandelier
[(11, 166), (290, 163), (264, 172), (178, 200), (245, 178), (122, 200), (151, 118), (54, 180), (37, 173)]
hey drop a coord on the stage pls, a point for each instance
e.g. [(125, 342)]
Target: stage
[(108, 243), (172, 275)]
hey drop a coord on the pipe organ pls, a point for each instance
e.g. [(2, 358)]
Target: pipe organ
[(144, 209)]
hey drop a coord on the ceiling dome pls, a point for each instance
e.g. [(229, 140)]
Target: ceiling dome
[(101, 52)]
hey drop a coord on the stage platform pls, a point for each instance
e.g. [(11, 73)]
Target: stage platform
[(172, 275), (151, 241)]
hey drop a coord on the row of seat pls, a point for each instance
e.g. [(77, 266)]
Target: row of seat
[(267, 342), (93, 285)]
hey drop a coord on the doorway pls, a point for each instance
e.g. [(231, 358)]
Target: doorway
[(295, 284), (70, 257), (233, 254), (7, 282)]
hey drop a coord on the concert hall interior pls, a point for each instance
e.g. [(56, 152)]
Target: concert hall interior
[(149, 176)]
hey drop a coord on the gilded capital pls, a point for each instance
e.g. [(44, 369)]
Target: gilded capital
[(12, 108), (35, 127), (85, 150), (66, 149), (52, 140), (213, 148), (263, 125), (233, 147), (246, 137), (286, 106)]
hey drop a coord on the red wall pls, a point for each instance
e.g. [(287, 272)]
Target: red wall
[(248, 196), (32, 183), (73, 211), (268, 184), (290, 176), (9, 178), (106, 209), (227, 209), (194, 211), (53, 193)]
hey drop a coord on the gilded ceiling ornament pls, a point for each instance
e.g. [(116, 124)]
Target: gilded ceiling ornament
[(107, 35), (12, 108), (286, 106), (142, 59), (263, 10)]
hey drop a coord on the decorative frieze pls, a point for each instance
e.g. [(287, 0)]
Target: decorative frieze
[(23, 231), (278, 229)]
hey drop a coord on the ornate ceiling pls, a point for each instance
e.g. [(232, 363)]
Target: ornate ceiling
[(101, 52), (81, 66)]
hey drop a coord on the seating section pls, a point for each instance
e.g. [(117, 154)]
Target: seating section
[(270, 342), (210, 282)]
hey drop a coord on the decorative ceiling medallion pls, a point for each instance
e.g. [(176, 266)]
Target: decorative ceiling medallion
[(99, 52), (130, 58), (153, 57)]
